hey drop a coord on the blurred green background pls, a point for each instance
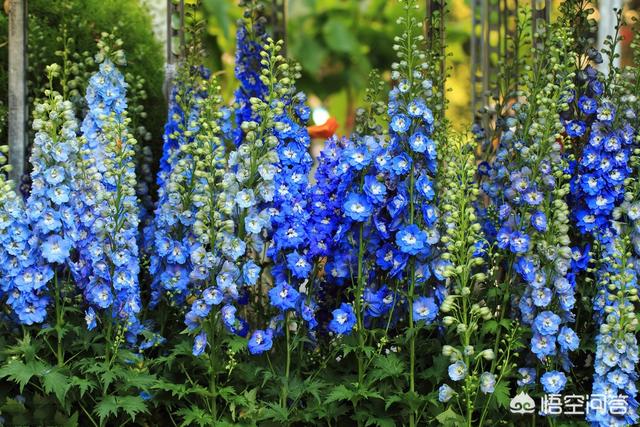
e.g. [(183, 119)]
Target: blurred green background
[(338, 42)]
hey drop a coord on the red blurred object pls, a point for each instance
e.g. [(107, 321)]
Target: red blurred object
[(323, 131)]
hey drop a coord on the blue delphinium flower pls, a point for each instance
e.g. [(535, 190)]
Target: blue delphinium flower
[(357, 207), (457, 371), (343, 321), (260, 341), (616, 357), (200, 343), (553, 382), (424, 309), (602, 165), (445, 393)]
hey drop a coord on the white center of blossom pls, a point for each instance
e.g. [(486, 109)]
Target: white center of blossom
[(301, 263), (284, 293), (409, 239), (589, 219), (357, 207), (423, 311), (341, 318)]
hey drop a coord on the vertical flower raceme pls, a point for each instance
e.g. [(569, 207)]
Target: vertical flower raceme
[(603, 138), (251, 36), (113, 284), (108, 264), (171, 233), (616, 357), (529, 187), (243, 238), (26, 296), (106, 100), (464, 306)]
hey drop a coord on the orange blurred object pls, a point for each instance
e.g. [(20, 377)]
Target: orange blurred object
[(323, 131)]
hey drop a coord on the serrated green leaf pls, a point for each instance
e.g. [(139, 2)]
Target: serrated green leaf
[(275, 412), (339, 393), (387, 366), (21, 373), (502, 394), (195, 416), (83, 384), (450, 418), (55, 382), (105, 407), (132, 405), (380, 422)]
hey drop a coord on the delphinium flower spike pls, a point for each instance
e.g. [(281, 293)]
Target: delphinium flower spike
[(251, 36), (170, 236), (28, 301), (464, 307), (529, 186)]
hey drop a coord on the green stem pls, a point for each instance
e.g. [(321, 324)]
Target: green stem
[(410, 295), (285, 384), (59, 320), (213, 374)]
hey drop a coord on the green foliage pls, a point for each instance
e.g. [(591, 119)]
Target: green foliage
[(84, 21)]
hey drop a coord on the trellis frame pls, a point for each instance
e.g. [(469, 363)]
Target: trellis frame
[(494, 24)]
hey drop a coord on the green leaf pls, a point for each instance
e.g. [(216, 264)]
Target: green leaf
[(20, 373), (132, 405), (339, 37), (57, 383), (389, 366), (339, 393), (277, 413), (83, 384), (450, 418), (380, 422), (195, 416), (107, 406), (502, 394)]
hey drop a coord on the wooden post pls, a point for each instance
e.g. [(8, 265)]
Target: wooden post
[(17, 86)]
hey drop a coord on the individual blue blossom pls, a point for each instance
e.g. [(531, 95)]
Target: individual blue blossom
[(487, 382), (357, 207), (539, 221), (445, 393), (527, 376), (553, 382), (400, 123), (260, 341), (90, 318), (411, 239), (343, 321), (424, 309), (283, 296), (200, 344), (374, 189), (299, 265), (457, 371), (250, 272), (519, 242)]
